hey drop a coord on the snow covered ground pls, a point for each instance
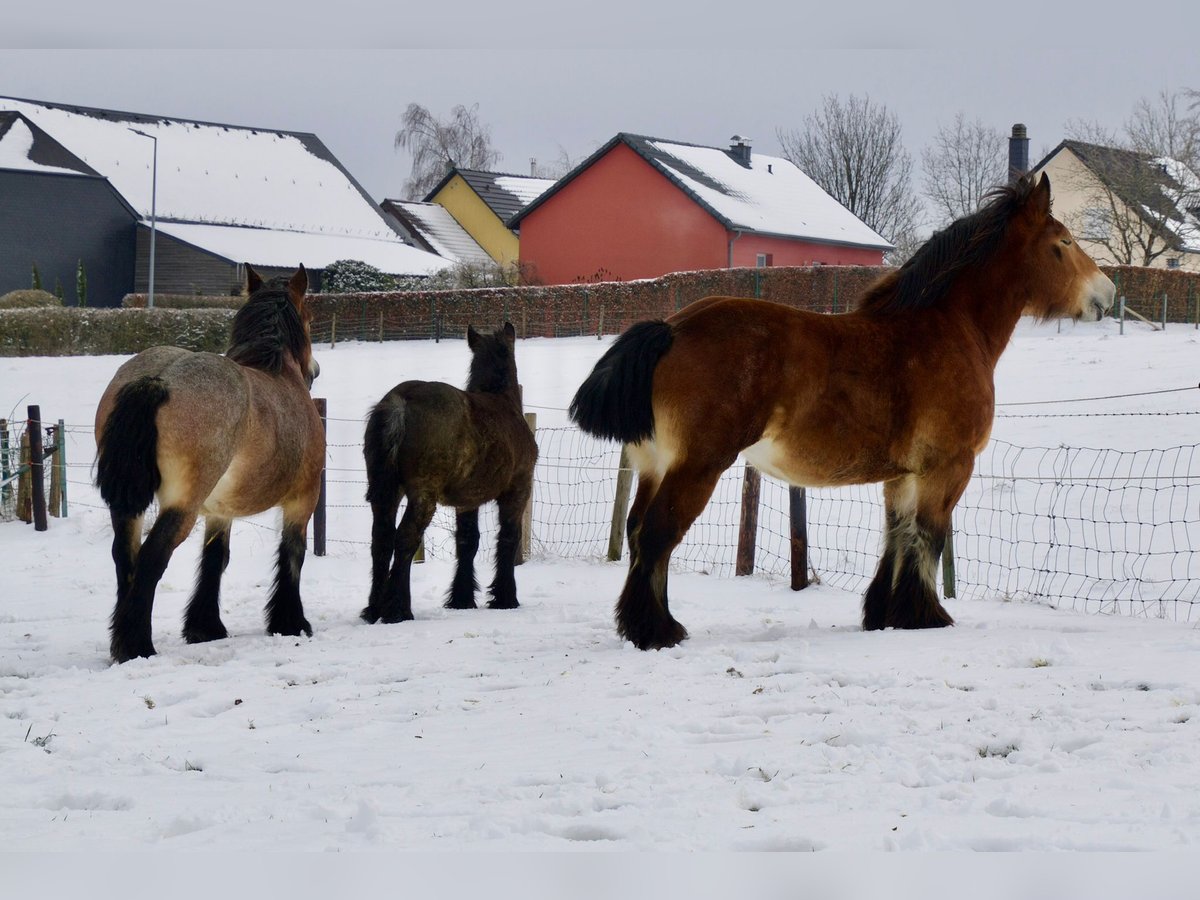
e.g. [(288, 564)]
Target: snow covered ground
[(779, 725)]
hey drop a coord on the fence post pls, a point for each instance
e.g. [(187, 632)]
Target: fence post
[(37, 469), (24, 482), (333, 331), (600, 321), (1122, 314), (381, 326), (948, 587), (5, 470), (616, 534), (798, 515), (1164, 312), (526, 544), (319, 512), (60, 462), (55, 501), (748, 522)]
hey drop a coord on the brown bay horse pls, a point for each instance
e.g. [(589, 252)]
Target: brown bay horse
[(899, 391), (430, 443), (219, 436)]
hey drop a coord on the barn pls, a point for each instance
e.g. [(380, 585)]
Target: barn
[(640, 207), (90, 186)]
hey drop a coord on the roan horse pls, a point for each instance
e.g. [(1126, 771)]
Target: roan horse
[(218, 436), (899, 391), (433, 443)]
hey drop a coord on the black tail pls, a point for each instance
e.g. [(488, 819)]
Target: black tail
[(614, 402), (381, 446), (127, 469)]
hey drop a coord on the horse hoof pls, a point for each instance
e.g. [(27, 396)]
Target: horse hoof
[(202, 634), (495, 603), (125, 650), (369, 615), (460, 603), (291, 629), (660, 638), (394, 618)]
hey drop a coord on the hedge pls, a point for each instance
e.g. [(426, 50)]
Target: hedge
[(76, 331)]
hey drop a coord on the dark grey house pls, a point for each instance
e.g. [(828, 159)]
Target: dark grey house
[(78, 183)]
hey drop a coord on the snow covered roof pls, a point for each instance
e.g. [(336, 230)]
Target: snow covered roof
[(439, 232), (26, 147), (281, 182), (505, 195), (286, 249), (768, 195)]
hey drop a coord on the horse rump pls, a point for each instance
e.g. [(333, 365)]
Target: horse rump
[(127, 467), (615, 400), (381, 447)]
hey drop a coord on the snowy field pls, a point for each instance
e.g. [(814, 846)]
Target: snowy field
[(779, 725)]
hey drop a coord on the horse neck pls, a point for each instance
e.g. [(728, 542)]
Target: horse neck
[(992, 304)]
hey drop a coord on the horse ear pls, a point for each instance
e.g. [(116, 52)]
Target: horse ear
[(253, 281), (298, 285), (1040, 198), (472, 337), (510, 333)]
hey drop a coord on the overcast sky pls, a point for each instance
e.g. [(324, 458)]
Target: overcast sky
[(538, 101)]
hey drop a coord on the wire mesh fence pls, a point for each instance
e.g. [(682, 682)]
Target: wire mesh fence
[(1092, 529)]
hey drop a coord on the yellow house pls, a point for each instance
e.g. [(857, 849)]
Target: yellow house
[(483, 202), (1126, 208)]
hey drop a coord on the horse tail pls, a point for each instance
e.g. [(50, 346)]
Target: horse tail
[(615, 401), (381, 448), (127, 468)]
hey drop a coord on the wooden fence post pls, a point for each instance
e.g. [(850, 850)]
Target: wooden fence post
[(333, 331), (37, 469), (55, 501), (526, 545), (24, 482), (948, 586), (1164, 311), (616, 534), (798, 516), (748, 522), (319, 512), (381, 326), (600, 321)]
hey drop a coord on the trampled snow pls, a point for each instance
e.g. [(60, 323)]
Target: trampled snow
[(779, 724)]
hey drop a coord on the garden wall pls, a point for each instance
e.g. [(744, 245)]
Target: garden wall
[(551, 311)]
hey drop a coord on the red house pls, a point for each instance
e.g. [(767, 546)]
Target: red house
[(640, 207)]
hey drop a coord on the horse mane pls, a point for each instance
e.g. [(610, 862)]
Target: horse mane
[(267, 329), (927, 275)]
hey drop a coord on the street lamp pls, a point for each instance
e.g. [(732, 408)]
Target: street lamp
[(153, 217)]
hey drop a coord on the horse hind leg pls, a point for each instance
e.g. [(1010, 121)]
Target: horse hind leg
[(202, 620), (127, 539), (643, 611), (384, 495), (466, 545), (395, 602), (503, 588), (129, 629)]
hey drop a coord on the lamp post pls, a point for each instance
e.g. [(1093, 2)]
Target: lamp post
[(153, 216)]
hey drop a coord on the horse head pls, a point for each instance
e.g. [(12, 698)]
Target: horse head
[(1070, 284), (493, 360), (276, 316)]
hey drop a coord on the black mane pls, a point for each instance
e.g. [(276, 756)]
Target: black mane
[(924, 279), (267, 329)]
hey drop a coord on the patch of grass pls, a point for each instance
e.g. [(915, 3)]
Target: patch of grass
[(997, 751)]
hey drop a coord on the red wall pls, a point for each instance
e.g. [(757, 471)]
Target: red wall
[(622, 220)]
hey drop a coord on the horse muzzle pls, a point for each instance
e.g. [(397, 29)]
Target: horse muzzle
[(314, 369), (1101, 293)]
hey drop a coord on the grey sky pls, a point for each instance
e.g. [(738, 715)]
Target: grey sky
[(537, 101)]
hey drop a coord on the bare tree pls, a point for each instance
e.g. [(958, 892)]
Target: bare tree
[(436, 145), (966, 160), (854, 151), (555, 168), (1141, 191)]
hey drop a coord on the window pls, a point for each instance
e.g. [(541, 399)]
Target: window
[(763, 260), (1172, 262)]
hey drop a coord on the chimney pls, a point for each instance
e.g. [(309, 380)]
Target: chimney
[(739, 149), (1018, 152), (533, 165)]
